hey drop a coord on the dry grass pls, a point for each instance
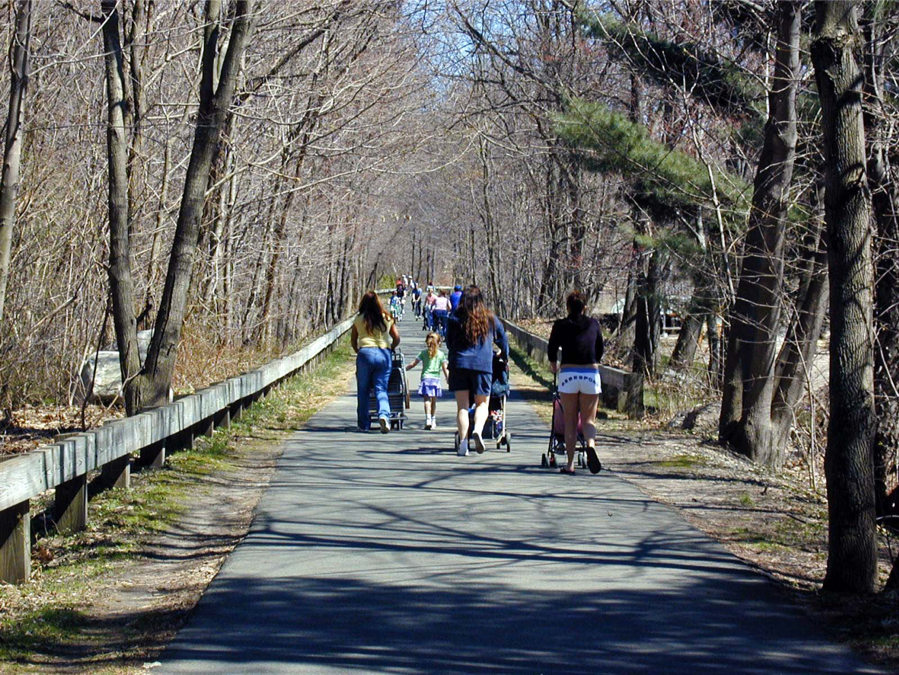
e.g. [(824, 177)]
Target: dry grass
[(204, 359)]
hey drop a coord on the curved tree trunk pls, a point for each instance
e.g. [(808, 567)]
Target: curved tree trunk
[(852, 554), (749, 384)]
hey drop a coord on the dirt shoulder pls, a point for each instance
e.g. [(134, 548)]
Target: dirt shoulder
[(108, 600), (771, 521)]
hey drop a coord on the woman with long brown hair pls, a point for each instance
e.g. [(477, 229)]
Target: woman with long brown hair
[(471, 332), (579, 337), (373, 337)]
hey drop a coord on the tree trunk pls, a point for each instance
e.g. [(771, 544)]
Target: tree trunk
[(801, 344), (886, 288), (749, 384), (625, 334), (648, 328), (121, 284), (684, 353), (688, 339), (12, 146), (214, 104), (716, 358), (852, 553)]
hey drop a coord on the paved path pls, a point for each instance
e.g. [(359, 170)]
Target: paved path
[(389, 554)]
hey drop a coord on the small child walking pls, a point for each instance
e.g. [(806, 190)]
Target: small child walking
[(433, 362), (395, 307)]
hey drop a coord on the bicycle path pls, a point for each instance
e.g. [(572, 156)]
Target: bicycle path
[(374, 553)]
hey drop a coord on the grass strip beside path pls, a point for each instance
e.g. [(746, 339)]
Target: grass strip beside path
[(106, 600)]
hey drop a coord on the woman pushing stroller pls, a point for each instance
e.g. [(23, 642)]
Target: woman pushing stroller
[(580, 339), (374, 335), (471, 332)]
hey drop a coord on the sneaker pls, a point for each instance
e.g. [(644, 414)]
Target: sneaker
[(385, 425), (463, 448), (478, 442), (428, 424), (433, 422)]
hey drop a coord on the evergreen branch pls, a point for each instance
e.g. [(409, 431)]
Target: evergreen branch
[(723, 85)]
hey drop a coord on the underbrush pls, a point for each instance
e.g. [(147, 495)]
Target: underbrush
[(204, 358)]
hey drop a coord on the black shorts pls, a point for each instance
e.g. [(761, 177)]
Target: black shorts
[(474, 381)]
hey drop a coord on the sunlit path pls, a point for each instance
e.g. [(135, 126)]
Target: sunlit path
[(389, 554)]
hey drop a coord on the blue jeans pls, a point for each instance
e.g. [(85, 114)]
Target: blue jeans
[(440, 321), (372, 371)]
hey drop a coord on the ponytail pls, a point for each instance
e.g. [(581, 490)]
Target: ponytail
[(433, 342)]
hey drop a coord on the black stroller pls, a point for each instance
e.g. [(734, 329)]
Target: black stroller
[(397, 394), (496, 427)]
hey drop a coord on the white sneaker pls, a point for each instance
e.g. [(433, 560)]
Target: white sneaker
[(433, 422), (385, 425), (463, 448), (478, 442), (428, 424)]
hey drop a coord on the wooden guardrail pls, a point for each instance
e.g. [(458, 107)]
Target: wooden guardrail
[(621, 390), (64, 465)]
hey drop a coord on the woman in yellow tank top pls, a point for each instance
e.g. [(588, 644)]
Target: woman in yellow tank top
[(373, 337)]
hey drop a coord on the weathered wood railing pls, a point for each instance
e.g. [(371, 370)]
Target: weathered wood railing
[(63, 466), (621, 390)]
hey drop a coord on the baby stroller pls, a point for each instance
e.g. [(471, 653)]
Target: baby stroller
[(496, 427), (557, 437), (397, 394)]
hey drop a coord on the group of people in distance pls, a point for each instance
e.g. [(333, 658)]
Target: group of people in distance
[(472, 331)]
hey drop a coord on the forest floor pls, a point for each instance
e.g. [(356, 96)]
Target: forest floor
[(771, 520), (108, 600)]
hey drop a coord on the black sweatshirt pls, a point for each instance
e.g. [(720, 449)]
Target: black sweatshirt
[(579, 338)]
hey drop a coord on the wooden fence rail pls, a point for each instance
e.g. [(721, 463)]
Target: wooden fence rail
[(621, 390), (63, 466)]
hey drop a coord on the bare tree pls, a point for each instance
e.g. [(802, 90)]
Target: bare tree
[(749, 383), (12, 142), (852, 558), (217, 87), (121, 285)]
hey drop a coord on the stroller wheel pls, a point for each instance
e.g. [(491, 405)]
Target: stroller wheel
[(508, 442), (552, 462), (543, 461), (456, 441)]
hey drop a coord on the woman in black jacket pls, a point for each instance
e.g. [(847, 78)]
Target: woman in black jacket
[(580, 339)]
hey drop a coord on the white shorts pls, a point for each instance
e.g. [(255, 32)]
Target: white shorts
[(579, 381)]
